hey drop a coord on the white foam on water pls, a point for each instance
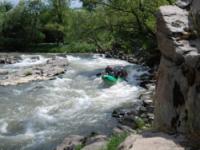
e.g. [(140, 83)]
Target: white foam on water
[(19, 138), (17, 92), (66, 104), (3, 126), (96, 62), (72, 58), (43, 113), (30, 60)]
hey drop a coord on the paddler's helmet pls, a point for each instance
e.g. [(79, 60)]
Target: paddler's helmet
[(108, 69)]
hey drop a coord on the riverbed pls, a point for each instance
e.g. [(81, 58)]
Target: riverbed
[(38, 115)]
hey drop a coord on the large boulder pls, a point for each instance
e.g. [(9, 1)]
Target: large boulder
[(177, 99), (152, 141)]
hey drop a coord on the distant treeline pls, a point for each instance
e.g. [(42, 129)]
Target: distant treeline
[(121, 25)]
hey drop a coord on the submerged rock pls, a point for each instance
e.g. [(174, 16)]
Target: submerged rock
[(3, 72), (6, 59)]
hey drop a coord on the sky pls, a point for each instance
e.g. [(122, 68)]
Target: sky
[(74, 3)]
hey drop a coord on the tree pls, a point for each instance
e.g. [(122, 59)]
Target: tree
[(131, 22), (4, 8), (120, 25), (59, 8), (21, 25), (54, 28), (34, 9)]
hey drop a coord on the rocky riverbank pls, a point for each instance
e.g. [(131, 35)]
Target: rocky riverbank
[(138, 115), (47, 69), (147, 140), (136, 129), (177, 91), (133, 119)]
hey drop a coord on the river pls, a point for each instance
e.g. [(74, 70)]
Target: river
[(39, 115)]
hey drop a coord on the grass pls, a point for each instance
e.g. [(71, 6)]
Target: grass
[(115, 141), (139, 122), (79, 147)]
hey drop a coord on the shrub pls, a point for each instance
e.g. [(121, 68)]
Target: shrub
[(115, 141)]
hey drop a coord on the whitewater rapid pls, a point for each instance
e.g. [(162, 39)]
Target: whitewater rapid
[(39, 115)]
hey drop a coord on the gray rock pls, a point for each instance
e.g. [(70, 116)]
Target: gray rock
[(183, 3), (5, 59), (152, 141), (3, 72), (70, 142), (148, 102), (143, 109), (94, 139), (150, 116), (132, 60), (168, 16), (46, 71), (35, 57), (123, 129), (150, 109), (97, 142), (177, 98), (121, 112), (108, 55), (96, 146)]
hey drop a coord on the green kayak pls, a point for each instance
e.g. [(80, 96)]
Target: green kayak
[(111, 80)]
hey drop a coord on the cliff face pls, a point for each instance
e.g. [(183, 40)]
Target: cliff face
[(177, 100)]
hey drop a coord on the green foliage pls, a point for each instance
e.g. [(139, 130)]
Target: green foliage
[(78, 147), (21, 25), (80, 47), (139, 122), (76, 47), (115, 141), (119, 25)]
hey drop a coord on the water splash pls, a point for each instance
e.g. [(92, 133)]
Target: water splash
[(76, 103)]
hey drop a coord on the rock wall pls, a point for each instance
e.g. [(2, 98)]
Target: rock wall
[(177, 99)]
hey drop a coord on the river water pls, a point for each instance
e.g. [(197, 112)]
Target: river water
[(39, 115)]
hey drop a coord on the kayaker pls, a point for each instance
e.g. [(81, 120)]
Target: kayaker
[(108, 70), (122, 73)]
